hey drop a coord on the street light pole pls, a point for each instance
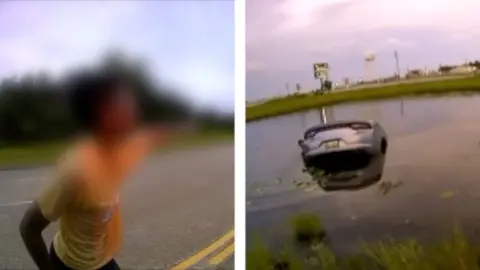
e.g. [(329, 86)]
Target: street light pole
[(398, 65)]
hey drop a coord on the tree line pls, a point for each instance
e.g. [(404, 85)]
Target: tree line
[(447, 68), (33, 107)]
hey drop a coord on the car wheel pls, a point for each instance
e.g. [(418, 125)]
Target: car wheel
[(306, 162), (383, 146)]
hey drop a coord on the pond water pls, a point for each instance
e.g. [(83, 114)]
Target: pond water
[(433, 152)]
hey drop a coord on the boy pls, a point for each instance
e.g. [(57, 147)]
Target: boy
[(84, 194)]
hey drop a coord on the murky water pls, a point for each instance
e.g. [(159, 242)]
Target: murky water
[(271, 144), (434, 152)]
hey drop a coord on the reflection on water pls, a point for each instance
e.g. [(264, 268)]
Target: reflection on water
[(364, 176)]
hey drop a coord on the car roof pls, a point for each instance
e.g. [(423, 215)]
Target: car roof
[(342, 122)]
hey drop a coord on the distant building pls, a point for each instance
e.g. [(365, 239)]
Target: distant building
[(414, 73), (431, 72), (462, 69)]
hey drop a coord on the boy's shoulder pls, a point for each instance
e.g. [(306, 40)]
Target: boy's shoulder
[(73, 158)]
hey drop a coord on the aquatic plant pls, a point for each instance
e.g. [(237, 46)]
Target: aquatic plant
[(307, 228)]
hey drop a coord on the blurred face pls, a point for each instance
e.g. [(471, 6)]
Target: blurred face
[(119, 115)]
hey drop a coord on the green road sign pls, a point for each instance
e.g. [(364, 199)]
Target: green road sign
[(320, 70)]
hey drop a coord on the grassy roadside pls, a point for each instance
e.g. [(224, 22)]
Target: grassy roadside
[(452, 252), (292, 104), (47, 153)]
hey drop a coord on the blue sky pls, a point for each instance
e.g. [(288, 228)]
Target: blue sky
[(285, 37), (189, 43)]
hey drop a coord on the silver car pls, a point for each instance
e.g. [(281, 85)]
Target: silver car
[(336, 142)]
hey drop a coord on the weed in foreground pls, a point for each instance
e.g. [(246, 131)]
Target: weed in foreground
[(452, 252), (260, 258), (308, 228)]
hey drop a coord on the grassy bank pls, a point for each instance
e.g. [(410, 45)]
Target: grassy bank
[(452, 252), (291, 104), (48, 152)]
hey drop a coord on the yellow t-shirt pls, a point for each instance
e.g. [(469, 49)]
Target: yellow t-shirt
[(84, 198)]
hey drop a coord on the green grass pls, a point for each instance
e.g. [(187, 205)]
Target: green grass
[(259, 257), (48, 152), (31, 154), (307, 228), (451, 252), (291, 104)]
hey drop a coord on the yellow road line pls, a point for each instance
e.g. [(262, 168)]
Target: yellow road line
[(220, 257), (205, 252)]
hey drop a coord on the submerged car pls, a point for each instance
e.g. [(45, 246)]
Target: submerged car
[(342, 145)]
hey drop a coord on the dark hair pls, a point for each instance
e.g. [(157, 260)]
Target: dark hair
[(88, 92)]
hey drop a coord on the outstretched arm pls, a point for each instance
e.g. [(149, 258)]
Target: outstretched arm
[(150, 138)]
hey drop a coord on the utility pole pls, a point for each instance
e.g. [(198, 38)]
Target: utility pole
[(398, 65), (287, 86)]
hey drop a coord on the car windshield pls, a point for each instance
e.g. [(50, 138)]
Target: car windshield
[(310, 133)]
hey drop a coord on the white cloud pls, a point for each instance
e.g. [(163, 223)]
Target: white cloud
[(300, 14), (53, 35), (314, 19), (393, 42), (254, 65)]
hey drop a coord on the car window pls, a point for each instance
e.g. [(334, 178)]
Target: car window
[(357, 126), (311, 133)]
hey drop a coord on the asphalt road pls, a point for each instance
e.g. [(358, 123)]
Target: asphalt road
[(174, 207)]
